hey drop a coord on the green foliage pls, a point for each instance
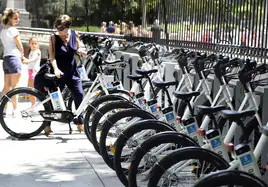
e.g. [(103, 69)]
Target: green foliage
[(84, 28)]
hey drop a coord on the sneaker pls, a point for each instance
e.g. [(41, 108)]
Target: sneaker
[(15, 112)]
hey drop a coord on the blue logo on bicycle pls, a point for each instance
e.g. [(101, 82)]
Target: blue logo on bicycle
[(140, 101), (80, 70), (170, 116), (153, 109), (191, 128), (215, 143), (108, 85), (55, 95), (247, 159)]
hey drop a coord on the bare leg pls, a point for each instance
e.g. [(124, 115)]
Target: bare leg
[(15, 77), (31, 85), (7, 84)]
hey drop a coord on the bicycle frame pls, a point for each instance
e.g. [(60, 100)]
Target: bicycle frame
[(89, 95), (251, 100)]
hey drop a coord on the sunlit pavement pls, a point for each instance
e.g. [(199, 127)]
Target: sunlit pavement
[(61, 160)]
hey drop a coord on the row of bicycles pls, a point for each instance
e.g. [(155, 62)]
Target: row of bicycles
[(150, 136)]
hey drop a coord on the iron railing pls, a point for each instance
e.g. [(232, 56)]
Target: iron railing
[(235, 27)]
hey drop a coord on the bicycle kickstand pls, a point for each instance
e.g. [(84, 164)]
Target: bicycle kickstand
[(70, 128)]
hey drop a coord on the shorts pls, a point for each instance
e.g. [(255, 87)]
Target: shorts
[(12, 64), (31, 74)]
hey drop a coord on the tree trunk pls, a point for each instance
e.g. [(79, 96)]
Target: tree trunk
[(87, 12), (143, 13)]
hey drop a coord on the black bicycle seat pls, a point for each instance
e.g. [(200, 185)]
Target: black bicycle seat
[(236, 116), (207, 110), (163, 85), (87, 83), (112, 62), (50, 76), (135, 77), (146, 72), (186, 96)]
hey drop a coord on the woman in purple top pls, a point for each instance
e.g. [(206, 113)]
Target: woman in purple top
[(63, 46)]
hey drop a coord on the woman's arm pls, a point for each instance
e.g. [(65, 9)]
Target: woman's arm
[(79, 49), (51, 52), (19, 44)]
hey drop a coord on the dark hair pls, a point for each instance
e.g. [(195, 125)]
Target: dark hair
[(130, 24), (9, 15), (64, 21)]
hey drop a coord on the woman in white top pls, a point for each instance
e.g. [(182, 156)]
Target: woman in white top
[(13, 53), (33, 63)]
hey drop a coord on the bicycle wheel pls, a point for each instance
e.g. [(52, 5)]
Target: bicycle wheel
[(26, 113), (93, 107), (104, 112), (99, 93), (185, 166), (143, 154), (131, 140), (231, 178), (111, 124)]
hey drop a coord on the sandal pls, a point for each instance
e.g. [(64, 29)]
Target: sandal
[(48, 131), (80, 128)]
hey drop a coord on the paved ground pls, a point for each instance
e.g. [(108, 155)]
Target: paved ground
[(61, 160)]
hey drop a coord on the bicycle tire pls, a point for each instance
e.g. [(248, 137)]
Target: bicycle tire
[(121, 141), (154, 141), (230, 178), (109, 123), (102, 111), (24, 90), (92, 107), (102, 93), (187, 153)]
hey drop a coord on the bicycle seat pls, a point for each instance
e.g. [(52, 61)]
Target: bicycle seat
[(236, 116), (87, 82), (146, 72), (112, 62), (207, 110), (135, 77), (186, 96), (50, 76), (163, 85)]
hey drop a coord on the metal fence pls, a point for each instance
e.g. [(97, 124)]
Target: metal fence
[(237, 27)]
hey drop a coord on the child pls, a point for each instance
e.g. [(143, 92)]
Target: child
[(33, 63)]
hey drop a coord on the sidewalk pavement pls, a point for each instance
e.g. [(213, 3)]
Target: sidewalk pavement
[(61, 160)]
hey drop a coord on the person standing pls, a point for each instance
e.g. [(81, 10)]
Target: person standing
[(13, 53), (103, 27), (156, 30), (33, 63), (63, 46), (131, 29), (111, 28)]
